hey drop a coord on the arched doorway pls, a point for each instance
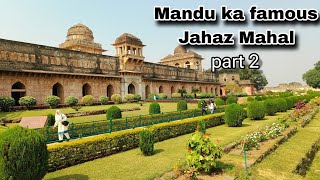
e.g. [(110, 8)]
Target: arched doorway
[(172, 90), (110, 91), (18, 90), (200, 89), (211, 90), (131, 89), (221, 92), (160, 89), (216, 92), (147, 91), (86, 89), (57, 90), (206, 89)]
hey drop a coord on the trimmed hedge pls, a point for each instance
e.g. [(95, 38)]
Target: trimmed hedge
[(250, 99), (51, 119), (116, 98), (114, 112), (182, 105), (23, 154), (88, 100), (67, 154), (146, 142), (234, 115), (231, 100), (53, 101), (103, 100), (27, 101), (154, 108), (71, 101), (256, 110), (129, 97), (6, 103), (101, 127), (219, 101), (270, 107), (281, 105)]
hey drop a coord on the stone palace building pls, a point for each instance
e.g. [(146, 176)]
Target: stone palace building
[(79, 68)]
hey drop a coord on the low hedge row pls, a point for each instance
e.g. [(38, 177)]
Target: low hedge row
[(75, 152), (105, 126)]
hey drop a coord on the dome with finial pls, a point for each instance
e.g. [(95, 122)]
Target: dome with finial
[(180, 50), (80, 32), (128, 38), (80, 38)]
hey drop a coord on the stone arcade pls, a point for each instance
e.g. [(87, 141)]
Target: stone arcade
[(79, 68)]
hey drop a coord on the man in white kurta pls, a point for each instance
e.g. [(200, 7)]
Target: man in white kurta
[(62, 129)]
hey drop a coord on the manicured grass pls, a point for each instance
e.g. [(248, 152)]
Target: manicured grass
[(165, 107), (133, 165), (314, 171), (279, 164)]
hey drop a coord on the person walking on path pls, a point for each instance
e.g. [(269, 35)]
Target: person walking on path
[(204, 107), (212, 106), (62, 124)]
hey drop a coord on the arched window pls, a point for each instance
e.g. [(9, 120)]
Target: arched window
[(147, 91), (187, 65), (131, 89), (110, 91), (18, 90), (197, 65), (177, 65), (57, 90), (160, 89), (211, 90), (86, 89)]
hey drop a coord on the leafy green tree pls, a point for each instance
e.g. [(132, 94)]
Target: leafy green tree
[(312, 77)]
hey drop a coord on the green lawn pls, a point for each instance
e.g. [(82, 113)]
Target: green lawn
[(165, 107), (279, 164), (132, 165), (314, 171)]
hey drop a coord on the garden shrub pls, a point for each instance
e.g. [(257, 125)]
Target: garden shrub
[(6, 103), (299, 104), (51, 119), (71, 101), (176, 95), (87, 100), (224, 98), (270, 107), (129, 97), (137, 97), (146, 142), (218, 101), (151, 96), (202, 153), (199, 103), (290, 103), (63, 155), (281, 105), (103, 100), (23, 154), (189, 95), (27, 101), (163, 96), (53, 101), (201, 126), (250, 98), (116, 98), (258, 98), (182, 105), (234, 115), (154, 108), (231, 100), (114, 112), (256, 110)]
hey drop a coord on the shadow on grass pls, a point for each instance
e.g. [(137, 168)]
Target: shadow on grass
[(225, 166), (244, 125), (71, 177), (157, 151)]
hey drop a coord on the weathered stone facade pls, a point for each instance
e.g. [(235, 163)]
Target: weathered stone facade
[(78, 70)]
